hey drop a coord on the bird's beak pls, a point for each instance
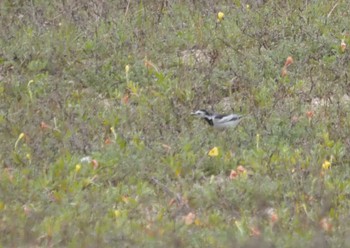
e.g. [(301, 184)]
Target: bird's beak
[(193, 113)]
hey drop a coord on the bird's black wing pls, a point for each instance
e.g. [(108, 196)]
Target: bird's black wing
[(209, 120), (227, 118)]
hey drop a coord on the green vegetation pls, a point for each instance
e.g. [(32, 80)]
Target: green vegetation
[(98, 148)]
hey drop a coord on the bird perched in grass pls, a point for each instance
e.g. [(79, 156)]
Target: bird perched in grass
[(219, 121)]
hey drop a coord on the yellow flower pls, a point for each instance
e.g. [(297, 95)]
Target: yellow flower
[(197, 222), (221, 16), (2, 205), (326, 165), (77, 167), (214, 152), (117, 213), (178, 171)]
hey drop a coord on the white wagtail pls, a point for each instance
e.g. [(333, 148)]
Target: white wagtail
[(219, 121)]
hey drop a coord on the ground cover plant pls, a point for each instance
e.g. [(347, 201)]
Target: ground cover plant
[(98, 148)]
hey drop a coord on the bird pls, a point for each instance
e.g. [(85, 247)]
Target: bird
[(219, 120)]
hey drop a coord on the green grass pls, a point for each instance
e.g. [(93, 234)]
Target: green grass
[(97, 154)]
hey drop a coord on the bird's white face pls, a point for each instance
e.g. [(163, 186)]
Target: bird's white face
[(200, 113)]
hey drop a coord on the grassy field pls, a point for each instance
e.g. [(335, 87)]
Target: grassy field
[(98, 147)]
